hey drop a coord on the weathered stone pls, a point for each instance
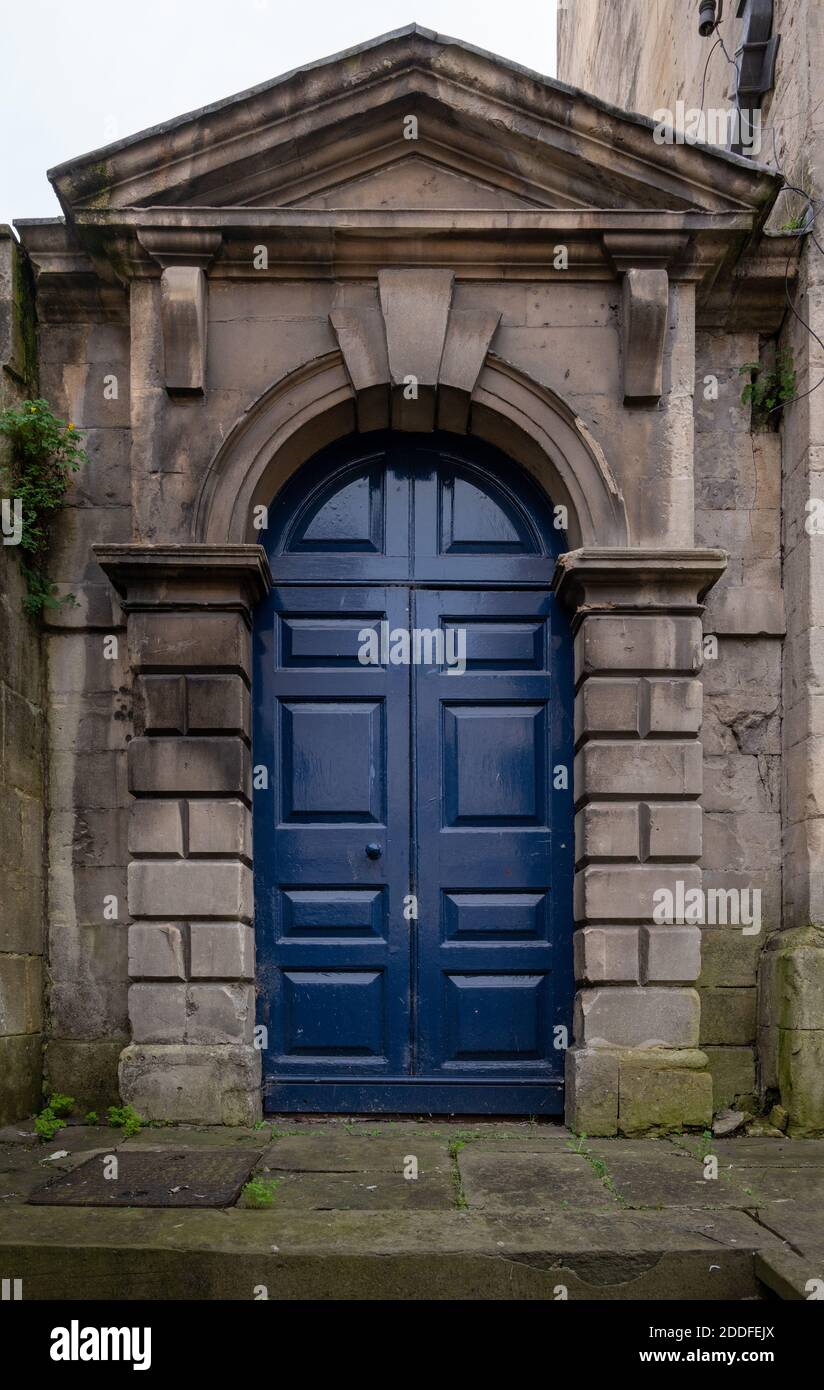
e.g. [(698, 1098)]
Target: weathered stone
[(670, 954), (220, 828), (733, 1074), (217, 704), (660, 768), (156, 951), (180, 765), (222, 951), (665, 1101), (21, 993), (157, 1013), (606, 955), (156, 827), (189, 640), (629, 1017), (204, 1084), (728, 1122), (217, 888), (220, 1013), (727, 1016), (591, 1092)]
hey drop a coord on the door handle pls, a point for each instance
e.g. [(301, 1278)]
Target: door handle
[(374, 851)]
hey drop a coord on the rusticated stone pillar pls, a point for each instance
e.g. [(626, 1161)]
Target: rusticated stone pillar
[(635, 1063), (191, 943)]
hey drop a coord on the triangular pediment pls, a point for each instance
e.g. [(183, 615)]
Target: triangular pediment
[(486, 134)]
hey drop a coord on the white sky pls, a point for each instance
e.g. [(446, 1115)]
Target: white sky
[(78, 74)]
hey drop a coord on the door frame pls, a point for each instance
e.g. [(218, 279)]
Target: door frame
[(409, 1095)]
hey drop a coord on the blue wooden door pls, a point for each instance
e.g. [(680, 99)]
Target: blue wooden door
[(413, 853)]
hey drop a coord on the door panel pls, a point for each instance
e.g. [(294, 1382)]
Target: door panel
[(487, 969), (333, 941)]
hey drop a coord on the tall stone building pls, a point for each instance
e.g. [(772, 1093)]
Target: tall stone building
[(413, 540), (759, 495)]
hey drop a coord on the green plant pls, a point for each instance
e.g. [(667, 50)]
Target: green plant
[(91, 1118), (51, 1117), (260, 1192), (125, 1117), (768, 388), (45, 451)]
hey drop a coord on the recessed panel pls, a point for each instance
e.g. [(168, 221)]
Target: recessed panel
[(326, 640), (346, 516), (332, 914), (334, 1013), (332, 761), (493, 1018), (491, 917), (498, 646), (475, 518), (494, 764)]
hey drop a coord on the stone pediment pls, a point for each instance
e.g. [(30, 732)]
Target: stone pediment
[(335, 134)]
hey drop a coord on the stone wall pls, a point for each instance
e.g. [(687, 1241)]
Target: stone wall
[(22, 822), (84, 373), (762, 695)]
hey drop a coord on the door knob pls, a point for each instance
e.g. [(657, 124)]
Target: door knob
[(373, 851)]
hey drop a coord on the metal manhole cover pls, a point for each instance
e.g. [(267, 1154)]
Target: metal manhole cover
[(192, 1178)]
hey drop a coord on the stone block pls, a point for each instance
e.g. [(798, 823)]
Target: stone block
[(660, 642), (605, 706), (168, 766), (627, 892), (637, 1017), (220, 828), (591, 1092), (728, 1016), (156, 827), (85, 1070), (206, 888), (157, 1013), (217, 704), (729, 958), (21, 994), (665, 767), (666, 1101), (222, 951), (607, 830), (22, 744), (88, 954), (220, 1013), (671, 830), (88, 1009), (156, 951), (606, 955), (670, 955), (160, 705), (20, 1077), (213, 1085), (188, 640), (733, 1075), (183, 300), (672, 706), (801, 1079)]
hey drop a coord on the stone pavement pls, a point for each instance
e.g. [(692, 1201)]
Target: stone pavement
[(498, 1210)]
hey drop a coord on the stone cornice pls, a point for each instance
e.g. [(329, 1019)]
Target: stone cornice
[(610, 579), (186, 576)]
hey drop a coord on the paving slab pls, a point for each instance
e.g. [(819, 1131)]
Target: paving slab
[(755, 1153), (492, 1181), (353, 1154), (380, 1190)]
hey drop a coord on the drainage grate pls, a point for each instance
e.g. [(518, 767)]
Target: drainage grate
[(192, 1178)]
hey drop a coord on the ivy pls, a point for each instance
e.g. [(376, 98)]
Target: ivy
[(45, 451), (769, 389)]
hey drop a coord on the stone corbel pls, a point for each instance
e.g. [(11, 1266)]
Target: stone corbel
[(413, 359), (183, 256), (643, 263)]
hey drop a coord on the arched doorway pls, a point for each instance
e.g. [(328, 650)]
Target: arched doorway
[(413, 842)]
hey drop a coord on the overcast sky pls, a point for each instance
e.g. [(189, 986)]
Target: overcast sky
[(78, 74)]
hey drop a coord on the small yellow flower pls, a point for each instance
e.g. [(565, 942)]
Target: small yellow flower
[(71, 427)]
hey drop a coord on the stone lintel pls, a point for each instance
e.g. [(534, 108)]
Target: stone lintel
[(179, 577), (611, 579)]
